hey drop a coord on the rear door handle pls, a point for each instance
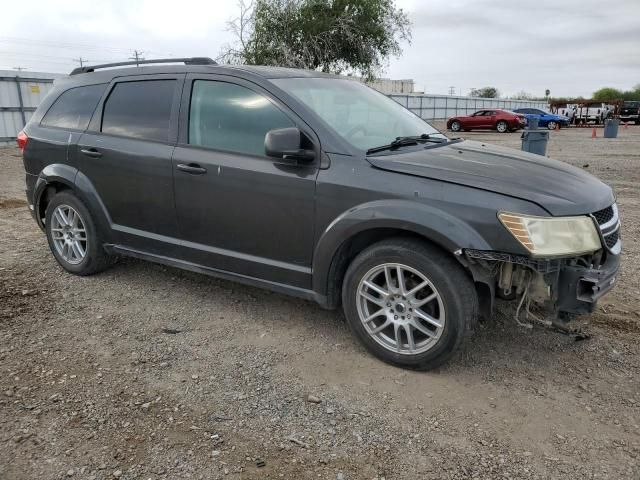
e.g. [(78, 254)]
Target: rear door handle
[(192, 168), (91, 152)]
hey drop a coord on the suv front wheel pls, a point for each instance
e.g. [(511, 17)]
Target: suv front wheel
[(409, 303), (73, 237)]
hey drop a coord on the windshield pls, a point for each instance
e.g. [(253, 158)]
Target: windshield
[(362, 116)]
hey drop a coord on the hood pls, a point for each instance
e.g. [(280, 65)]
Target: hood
[(555, 186)]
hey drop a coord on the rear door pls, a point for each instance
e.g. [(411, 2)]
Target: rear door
[(126, 155), (239, 210)]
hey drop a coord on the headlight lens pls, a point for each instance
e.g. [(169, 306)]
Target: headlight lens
[(553, 236)]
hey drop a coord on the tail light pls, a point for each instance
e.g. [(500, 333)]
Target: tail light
[(22, 140)]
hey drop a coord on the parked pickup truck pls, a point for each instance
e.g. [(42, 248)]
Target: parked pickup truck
[(630, 112), (593, 113)]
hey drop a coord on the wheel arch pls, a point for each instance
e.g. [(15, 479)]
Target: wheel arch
[(360, 227), (59, 177)]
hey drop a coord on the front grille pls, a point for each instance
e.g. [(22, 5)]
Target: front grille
[(604, 215), (609, 225), (611, 239)]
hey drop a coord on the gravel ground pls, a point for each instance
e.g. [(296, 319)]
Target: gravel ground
[(145, 372)]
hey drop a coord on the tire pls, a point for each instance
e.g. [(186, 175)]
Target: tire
[(502, 127), (456, 126), (454, 307), (57, 229), (552, 125)]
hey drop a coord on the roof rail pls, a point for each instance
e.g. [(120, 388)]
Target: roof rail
[(186, 61)]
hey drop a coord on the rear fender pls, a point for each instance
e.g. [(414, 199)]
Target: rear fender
[(76, 181)]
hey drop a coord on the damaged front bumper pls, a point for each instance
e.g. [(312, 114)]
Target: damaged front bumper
[(578, 287), (568, 286)]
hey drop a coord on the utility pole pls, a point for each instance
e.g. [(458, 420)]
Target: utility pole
[(19, 68), (137, 56), (452, 90), (80, 60)]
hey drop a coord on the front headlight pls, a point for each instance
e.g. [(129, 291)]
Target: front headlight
[(553, 236)]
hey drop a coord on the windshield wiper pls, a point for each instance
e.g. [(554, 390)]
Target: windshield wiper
[(406, 141)]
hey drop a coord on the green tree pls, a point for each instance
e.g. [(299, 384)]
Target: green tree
[(633, 94), (330, 35), (485, 92), (607, 93)]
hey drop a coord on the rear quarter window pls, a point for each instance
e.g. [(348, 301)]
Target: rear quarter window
[(74, 108)]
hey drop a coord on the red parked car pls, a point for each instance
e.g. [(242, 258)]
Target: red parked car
[(494, 119)]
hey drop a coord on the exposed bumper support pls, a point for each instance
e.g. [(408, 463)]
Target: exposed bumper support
[(579, 288), (569, 286)]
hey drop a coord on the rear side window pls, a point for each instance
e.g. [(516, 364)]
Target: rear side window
[(73, 109), (139, 109), (229, 117)]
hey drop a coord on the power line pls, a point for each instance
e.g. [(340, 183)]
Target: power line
[(54, 44)]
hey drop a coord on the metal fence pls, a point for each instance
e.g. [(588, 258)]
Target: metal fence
[(20, 95), (21, 92), (438, 107)]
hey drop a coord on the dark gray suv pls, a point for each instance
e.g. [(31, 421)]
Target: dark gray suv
[(319, 187)]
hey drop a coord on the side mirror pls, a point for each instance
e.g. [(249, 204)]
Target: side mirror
[(287, 143)]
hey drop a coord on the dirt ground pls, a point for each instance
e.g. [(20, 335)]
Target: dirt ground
[(146, 371)]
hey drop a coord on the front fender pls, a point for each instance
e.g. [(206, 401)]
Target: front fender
[(441, 228)]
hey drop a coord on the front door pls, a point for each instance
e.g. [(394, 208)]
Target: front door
[(489, 119), (238, 210), (126, 155), (477, 120)]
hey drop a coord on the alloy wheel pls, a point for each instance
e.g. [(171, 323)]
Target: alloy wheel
[(69, 234), (552, 125), (400, 308), (501, 127)]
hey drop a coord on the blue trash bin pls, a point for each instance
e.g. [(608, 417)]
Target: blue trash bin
[(611, 127)]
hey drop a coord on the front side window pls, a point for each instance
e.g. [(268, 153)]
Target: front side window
[(362, 116), (230, 117), (139, 109), (74, 108)]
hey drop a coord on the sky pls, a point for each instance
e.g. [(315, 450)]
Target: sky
[(571, 47)]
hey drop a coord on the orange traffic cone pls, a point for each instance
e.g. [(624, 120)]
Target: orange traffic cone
[(626, 125), (593, 133), (557, 126)]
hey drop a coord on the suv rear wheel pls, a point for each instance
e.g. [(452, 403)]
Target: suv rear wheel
[(73, 237), (408, 303)]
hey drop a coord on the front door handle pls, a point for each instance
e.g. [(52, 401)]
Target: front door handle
[(192, 168), (91, 152)]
